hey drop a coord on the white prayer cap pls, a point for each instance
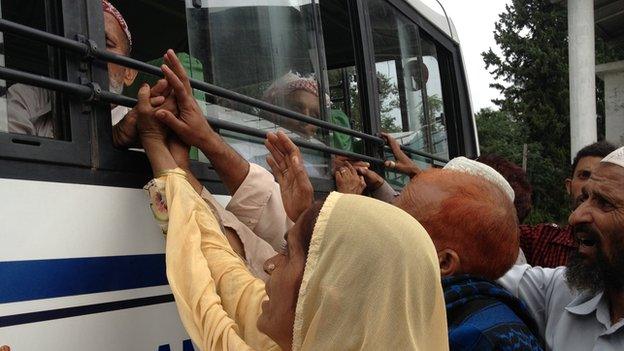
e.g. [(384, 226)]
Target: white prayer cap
[(463, 164), (616, 157)]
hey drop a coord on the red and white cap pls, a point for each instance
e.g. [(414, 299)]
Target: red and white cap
[(108, 7)]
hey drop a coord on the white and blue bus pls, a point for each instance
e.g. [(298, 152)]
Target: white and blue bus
[(81, 260)]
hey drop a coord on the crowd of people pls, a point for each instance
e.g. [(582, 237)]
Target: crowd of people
[(438, 265), (444, 263)]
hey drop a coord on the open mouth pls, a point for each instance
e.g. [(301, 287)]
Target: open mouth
[(586, 239)]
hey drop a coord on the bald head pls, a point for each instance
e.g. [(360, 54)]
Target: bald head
[(467, 215)]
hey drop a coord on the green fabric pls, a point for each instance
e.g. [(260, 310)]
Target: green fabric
[(339, 140), (194, 69)]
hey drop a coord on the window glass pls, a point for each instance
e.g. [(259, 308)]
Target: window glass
[(437, 118), (27, 109), (409, 83), (265, 50), (342, 73)]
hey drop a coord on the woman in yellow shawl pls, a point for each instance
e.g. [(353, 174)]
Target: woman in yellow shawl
[(357, 273)]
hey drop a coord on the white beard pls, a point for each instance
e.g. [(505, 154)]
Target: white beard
[(115, 87)]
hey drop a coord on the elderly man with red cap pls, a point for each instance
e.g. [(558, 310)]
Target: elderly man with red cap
[(29, 107)]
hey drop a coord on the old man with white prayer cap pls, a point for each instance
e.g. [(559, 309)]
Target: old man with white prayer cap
[(581, 306)]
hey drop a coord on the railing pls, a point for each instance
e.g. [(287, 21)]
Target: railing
[(92, 92)]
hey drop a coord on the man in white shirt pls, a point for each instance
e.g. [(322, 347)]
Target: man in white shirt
[(581, 306), (29, 108)]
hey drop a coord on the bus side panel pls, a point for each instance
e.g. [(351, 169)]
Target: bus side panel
[(83, 267)]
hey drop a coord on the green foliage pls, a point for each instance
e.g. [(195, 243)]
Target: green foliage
[(532, 76), (500, 134)]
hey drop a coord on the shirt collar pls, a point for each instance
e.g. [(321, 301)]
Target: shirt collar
[(581, 306)]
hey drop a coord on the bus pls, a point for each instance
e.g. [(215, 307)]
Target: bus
[(81, 259)]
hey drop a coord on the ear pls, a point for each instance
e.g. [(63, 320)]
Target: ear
[(568, 182), (129, 76), (450, 264)]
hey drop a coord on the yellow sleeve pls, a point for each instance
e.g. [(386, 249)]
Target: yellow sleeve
[(217, 298)]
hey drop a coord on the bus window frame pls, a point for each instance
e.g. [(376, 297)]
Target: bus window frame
[(76, 150), (110, 158), (458, 103)]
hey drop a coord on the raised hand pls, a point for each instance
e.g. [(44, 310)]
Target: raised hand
[(287, 165), (373, 180), (348, 181), (339, 161), (148, 127), (403, 163), (152, 133), (190, 125), (125, 133)]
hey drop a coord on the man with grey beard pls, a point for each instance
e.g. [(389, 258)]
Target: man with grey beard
[(29, 108), (581, 306)]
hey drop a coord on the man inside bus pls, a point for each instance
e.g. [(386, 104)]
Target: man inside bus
[(581, 306), (440, 199), (301, 94), (29, 108)]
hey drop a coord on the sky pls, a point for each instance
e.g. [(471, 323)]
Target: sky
[(474, 21)]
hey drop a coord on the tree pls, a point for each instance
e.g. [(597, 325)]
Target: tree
[(500, 134), (532, 76)]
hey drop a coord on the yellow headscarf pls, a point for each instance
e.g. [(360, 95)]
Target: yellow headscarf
[(371, 281)]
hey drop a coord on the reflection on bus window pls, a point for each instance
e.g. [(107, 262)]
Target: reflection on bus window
[(342, 72), (253, 49), (25, 109), (437, 122), (409, 82)]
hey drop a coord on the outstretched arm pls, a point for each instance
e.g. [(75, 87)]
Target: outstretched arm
[(200, 262), (192, 127), (219, 301)]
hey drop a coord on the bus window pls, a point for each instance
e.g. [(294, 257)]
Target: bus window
[(267, 51), (342, 73), (27, 109), (437, 120), (399, 75), (401, 72)]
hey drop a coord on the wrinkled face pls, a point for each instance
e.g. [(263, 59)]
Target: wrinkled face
[(599, 228), (286, 272), (117, 42), (581, 175), (305, 103)]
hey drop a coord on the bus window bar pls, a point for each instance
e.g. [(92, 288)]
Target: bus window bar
[(91, 92), (88, 49)]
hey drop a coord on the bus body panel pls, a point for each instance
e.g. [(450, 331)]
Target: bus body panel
[(82, 267)]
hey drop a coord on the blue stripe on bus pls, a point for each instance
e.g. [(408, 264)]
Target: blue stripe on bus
[(44, 279), (75, 311)]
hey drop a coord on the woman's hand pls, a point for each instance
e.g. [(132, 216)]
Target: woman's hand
[(403, 163), (125, 133), (373, 180), (348, 181), (287, 165), (152, 133), (148, 127), (190, 125)]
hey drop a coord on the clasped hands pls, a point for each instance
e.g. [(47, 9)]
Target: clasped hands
[(169, 106)]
